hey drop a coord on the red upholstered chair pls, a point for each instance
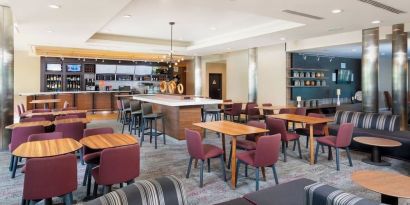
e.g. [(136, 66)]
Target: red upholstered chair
[(253, 113), (287, 111), (117, 165), (20, 135), (45, 136), (318, 129), (33, 119), (265, 155), (92, 157), (81, 115), (49, 117), (249, 143), (267, 112), (227, 107), (342, 140), (202, 152), (234, 112), (72, 130), (277, 126), (50, 177), (248, 107), (23, 109), (61, 117), (40, 110)]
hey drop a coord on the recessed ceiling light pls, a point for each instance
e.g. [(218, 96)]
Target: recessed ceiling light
[(283, 39), (127, 16), (337, 11), (212, 28), (229, 48), (376, 22), (54, 6), (50, 31)]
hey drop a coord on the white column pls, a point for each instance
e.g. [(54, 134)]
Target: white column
[(198, 75), (252, 75)]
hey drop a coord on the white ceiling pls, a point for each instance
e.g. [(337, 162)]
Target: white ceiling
[(209, 26)]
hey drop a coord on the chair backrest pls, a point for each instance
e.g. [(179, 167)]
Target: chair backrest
[(23, 108), (194, 144), (366, 120), (236, 108), (251, 109), (287, 111), (344, 135), (71, 130), (146, 109), (69, 108), (66, 104), (267, 150), (20, 135), (19, 110), (227, 107), (125, 103), (119, 104), (318, 127), (33, 119), (300, 111), (267, 112), (276, 126), (49, 117), (45, 136), (98, 131), (257, 124), (81, 115), (40, 110), (61, 117), (119, 164), (50, 177), (135, 105), (388, 99)]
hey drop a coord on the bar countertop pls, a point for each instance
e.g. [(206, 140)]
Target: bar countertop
[(161, 100)]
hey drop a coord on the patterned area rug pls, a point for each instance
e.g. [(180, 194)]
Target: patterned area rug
[(172, 159)]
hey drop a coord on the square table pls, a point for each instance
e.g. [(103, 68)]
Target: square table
[(234, 130), (310, 121)]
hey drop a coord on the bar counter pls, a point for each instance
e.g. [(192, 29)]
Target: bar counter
[(91, 101), (179, 113)]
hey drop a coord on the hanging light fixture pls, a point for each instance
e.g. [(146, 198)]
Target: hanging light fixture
[(172, 61)]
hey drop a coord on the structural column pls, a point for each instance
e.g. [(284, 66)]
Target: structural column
[(252, 75), (399, 74), (370, 69), (6, 73), (198, 75)]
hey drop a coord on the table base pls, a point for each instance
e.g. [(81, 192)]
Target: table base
[(386, 199), (376, 158), (379, 163)]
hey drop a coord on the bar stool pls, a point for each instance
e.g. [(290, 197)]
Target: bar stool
[(126, 113), (119, 109), (213, 111), (136, 114), (148, 117)]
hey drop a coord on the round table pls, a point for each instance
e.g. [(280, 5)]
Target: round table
[(29, 124), (376, 143), (72, 120), (47, 148), (391, 186), (105, 141)]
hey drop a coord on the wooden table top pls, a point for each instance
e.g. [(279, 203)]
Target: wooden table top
[(45, 101), (302, 118), (230, 128), (387, 183), (71, 120), (55, 113), (377, 141), (275, 107), (28, 124), (47, 148), (105, 141)]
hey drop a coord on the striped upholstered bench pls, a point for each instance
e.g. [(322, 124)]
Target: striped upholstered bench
[(166, 190), (375, 125), (323, 194)]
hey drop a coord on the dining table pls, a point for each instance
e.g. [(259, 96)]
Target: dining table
[(29, 124), (72, 120), (309, 121), (55, 113), (45, 102), (105, 141), (234, 130)]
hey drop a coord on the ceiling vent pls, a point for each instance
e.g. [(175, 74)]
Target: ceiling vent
[(383, 6), (302, 14)]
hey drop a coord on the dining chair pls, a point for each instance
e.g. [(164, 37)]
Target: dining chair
[(33, 119), (234, 112), (213, 111), (40, 110), (20, 135), (267, 112), (266, 154), (202, 152), (119, 109), (342, 140), (45, 136), (136, 117), (72, 130), (287, 111), (149, 122), (50, 177), (91, 156), (277, 126), (23, 108), (299, 111), (48, 117), (253, 113), (249, 143), (117, 165), (61, 117), (248, 106), (318, 130)]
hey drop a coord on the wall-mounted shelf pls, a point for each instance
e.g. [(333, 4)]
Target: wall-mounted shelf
[(309, 69), (308, 78), (293, 86)]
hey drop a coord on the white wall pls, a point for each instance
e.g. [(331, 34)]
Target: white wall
[(272, 74), (237, 76)]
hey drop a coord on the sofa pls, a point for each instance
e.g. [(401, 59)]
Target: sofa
[(300, 192), (166, 190), (375, 125)]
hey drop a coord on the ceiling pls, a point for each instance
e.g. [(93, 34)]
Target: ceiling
[(202, 26)]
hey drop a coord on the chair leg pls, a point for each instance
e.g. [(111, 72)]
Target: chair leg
[(223, 166), (163, 129), (209, 165), (142, 131), (48, 201), (257, 178), (294, 146), (201, 174), (238, 164), (246, 170), (284, 151), (13, 174), (230, 158), (89, 176), (156, 133), (189, 167), (107, 189), (11, 162), (323, 149), (316, 152), (82, 156), (307, 142), (95, 189), (337, 159), (129, 182), (23, 202), (348, 156), (299, 150), (86, 175), (275, 174), (67, 199), (150, 131)]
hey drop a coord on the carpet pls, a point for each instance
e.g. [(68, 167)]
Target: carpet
[(172, 159)]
